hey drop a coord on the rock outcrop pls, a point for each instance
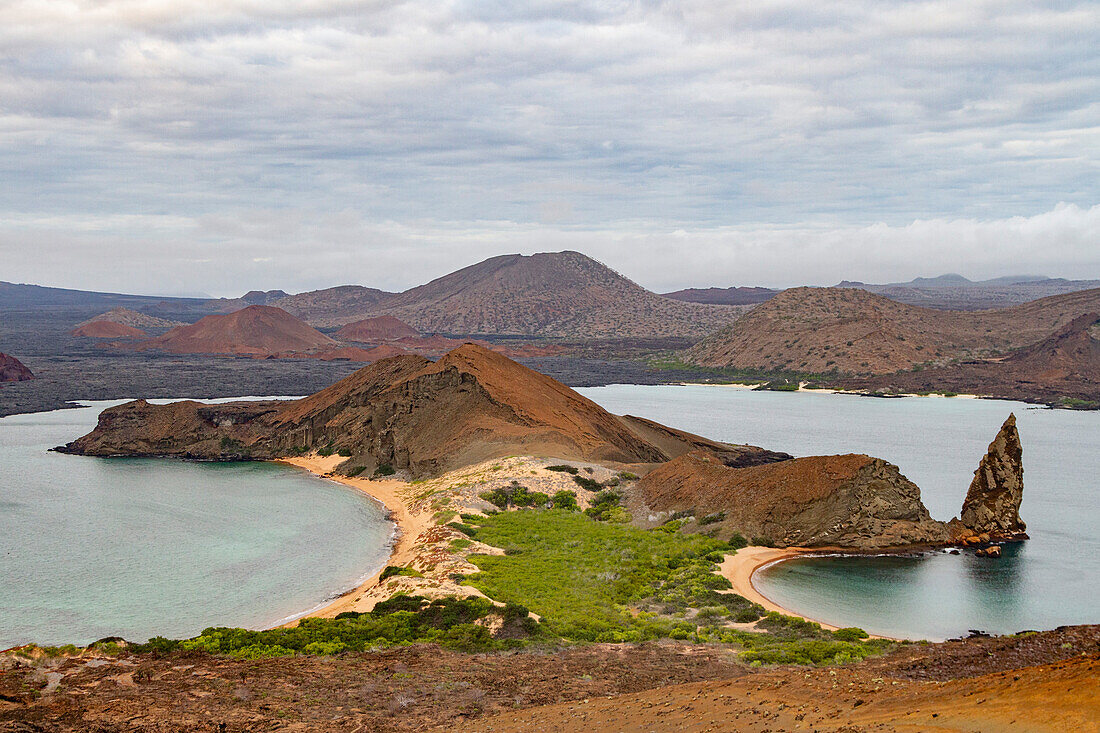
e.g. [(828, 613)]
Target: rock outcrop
[(407, 412), (13, 370), (849, 501), (992, 505)]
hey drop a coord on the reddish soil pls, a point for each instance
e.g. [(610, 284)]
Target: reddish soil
[(258, 330), (108, 330), (13, 370), (1041, 682)]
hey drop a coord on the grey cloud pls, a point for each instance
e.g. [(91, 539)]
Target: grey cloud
[(612, 117)]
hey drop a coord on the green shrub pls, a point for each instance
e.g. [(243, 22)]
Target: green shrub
[(761, 542), (563, 469), (392, 570), (384, 470), (449, 622), (852, 633), (712, 518), (588, 484), (566, 500)]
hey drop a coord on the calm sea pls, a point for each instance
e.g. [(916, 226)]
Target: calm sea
[(95, 547), (1051, 580)]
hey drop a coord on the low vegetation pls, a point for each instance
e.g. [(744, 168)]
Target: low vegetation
[(454, 623), (605, 582)]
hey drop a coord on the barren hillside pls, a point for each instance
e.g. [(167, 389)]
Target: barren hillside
[(853, 331)]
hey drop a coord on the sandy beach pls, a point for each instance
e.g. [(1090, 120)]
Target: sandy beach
[(409, 527), (740, 567)]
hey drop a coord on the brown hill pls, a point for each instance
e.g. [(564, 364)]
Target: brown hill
[(13, 370), (258, 330), (377, 329), (107, 330), (844, 501), (333, 306), (1061, 369), (407, 412), (853, 331), (563, 294), (131, 318), (723, 296), (851, 501)]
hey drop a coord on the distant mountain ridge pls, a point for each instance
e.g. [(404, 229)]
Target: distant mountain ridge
[(852, 331), (724, 296), (558, 294), (955, 292)]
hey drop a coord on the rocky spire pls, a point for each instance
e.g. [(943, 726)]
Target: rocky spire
[(992, 505)]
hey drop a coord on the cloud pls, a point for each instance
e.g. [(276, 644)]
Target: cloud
[(223, 125), (297, 251)]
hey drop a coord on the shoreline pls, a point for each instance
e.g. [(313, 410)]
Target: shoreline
[(407, 527), (753, 387), (740, 568)]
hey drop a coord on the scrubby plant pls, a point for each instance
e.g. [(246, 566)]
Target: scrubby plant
[(451, 622), (392, 570), (588, 484), (384, 470), (563, 469)]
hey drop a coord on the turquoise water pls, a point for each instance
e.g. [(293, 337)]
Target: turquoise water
[(1051, 580), (94, 547)]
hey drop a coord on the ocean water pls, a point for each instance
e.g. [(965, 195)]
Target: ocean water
[(1050, 580), (95, 547)]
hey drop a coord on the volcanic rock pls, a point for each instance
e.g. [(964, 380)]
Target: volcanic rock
[(377, 329), (992, 506), (850, 501), (258, 330), (107, 330), (408, 412), (13, 370)]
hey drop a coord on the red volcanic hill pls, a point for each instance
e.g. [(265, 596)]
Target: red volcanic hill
[(373, 330), (410, 413), (12, 370), (107, 330), (258, 330)]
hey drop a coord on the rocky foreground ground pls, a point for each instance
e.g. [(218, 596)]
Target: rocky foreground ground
[(1048, 681)]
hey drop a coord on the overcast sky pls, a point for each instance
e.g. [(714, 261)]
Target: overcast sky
[(181, 146)]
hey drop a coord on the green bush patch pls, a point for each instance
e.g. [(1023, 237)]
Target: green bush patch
[(450, 622)]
